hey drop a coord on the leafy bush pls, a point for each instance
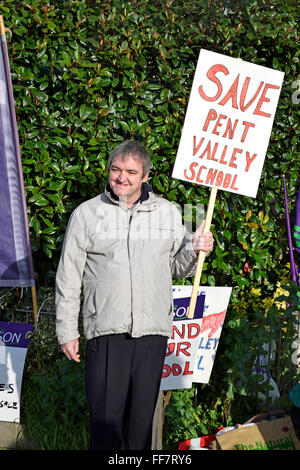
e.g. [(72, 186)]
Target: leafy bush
[(54, 407), (235, 393), (186, 419), (87, 75)]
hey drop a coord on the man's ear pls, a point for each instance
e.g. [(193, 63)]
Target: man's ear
[(145, 177)]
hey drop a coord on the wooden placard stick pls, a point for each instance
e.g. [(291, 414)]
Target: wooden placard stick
[(35, 305), (201, 257), (3, 30)]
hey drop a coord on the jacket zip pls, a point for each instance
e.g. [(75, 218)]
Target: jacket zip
[(128, 249)]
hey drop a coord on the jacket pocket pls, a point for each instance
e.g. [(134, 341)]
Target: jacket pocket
[(89, 303)]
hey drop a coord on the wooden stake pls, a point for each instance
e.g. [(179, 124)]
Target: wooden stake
[(34, 302), (3, 30), (159, 419), (201, 258)]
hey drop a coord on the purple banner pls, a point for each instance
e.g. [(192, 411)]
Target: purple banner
[(296, 233), (16, 335), (15, 252)]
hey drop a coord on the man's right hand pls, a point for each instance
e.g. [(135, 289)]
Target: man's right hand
[(70, 349)]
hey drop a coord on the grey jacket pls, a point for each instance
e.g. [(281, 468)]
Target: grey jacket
[(124, 259)]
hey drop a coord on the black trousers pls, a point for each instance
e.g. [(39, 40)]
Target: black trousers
[(122, 376)]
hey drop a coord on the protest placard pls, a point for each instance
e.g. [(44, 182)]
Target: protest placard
[(14, 341), (193, 344), (226, 131), (228, 123)]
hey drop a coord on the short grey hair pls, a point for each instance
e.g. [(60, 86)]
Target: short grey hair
[(134, 148)]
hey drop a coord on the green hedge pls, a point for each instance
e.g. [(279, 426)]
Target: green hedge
[(88, 74)]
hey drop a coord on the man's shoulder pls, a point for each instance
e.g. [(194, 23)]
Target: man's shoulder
[(88, 208), (90, 203)]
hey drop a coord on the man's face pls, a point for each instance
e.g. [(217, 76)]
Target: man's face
[(126, 178)]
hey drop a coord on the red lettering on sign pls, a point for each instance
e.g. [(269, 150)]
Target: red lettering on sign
[(218, 123), (229, 129), (195, 327), (232, 93), (176, 369), (195, 149), (227, 180), (180, 333), (249, 160), (264, 98), (166, 371), (247, 125), (207, 151), (212, 115), (193, 174), (223, 155), (211, 176), (233, 157), (170, 349), (244, 92), (216, 177), (213, 322), (202, 167), (211, 75), (182, 348), (186, 369)]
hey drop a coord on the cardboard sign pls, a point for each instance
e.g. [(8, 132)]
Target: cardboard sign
[(14, 341), (278, 434), (193, 344), (228, 124)]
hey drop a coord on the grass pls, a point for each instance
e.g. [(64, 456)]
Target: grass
[(54, 409)]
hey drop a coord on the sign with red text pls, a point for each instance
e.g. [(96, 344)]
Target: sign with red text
[(180, 357), (193, 344), (228, 124)]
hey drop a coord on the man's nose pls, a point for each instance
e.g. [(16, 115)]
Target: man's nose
[(122, 176)]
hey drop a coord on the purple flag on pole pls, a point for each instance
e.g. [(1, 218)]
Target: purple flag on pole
[(296, 233), (16, 267)]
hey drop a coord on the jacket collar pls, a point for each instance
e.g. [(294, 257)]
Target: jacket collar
[(147, 196)]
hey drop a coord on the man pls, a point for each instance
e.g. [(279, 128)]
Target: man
[(123, 246)]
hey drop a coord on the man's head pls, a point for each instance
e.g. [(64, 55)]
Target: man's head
[(136, 150), (129, 165)]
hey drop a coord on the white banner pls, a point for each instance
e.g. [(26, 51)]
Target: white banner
[(14, 340), (193, 344)]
